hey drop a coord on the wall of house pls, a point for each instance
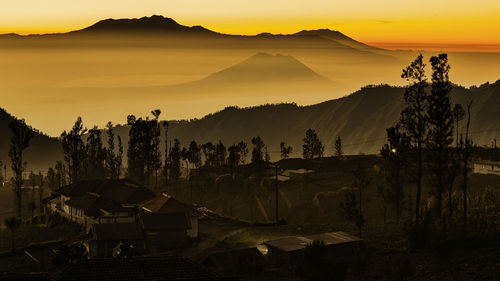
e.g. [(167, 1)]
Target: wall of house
[(163, 240), (193, 232), (487, 168)]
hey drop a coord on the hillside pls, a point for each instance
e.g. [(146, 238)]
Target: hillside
[(360, 119), (42, 152)]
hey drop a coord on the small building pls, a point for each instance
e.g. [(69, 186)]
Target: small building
[(164, 231), (297, 174), (246, 264), (106, 236), (287, 252), (487, 167), (166, 204), (165, 268), (100, 201)]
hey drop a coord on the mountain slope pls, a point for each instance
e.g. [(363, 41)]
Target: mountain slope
[(360, 119), (43, 151)]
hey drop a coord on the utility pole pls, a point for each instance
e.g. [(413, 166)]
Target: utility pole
[(277, 195)]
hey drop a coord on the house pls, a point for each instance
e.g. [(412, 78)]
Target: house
[(100, 201), (163, 268), (297, 174), (487, 167), (287, 252), (107, 236), (246, 264), (166, 204), (164, 231)]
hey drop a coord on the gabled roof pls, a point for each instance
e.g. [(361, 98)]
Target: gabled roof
[(138, 269), (291, 244), (161, 221), (116, 232), (167, 204), (122, 191)]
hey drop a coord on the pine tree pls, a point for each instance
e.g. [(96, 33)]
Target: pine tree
[(440, 133), (414, 119), (74, 150), (312, 146)]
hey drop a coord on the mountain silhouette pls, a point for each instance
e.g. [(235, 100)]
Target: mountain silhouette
[(151, 24), (262, 74), (164, 32), (339, 37), (266, 67)]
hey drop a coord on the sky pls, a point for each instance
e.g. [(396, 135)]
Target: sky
[(388, 21)]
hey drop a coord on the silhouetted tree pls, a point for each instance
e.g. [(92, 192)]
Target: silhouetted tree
[(144, 157), (414, 119), (466, 145), (175, 161), (285, 150), (74, 150), (41, 188), (234, 157), (221, 153), (194, 154), (209, 150), (243, 150), (113, 160), (166, 163), (61, 174), (395, 154), (257, 151), (95, 160), (338, 147), (458, 115), (312, 146), (351, 207), (440, 128), (21, 137)]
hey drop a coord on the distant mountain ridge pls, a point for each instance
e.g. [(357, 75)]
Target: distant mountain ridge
[(154, 23), (162, 28)]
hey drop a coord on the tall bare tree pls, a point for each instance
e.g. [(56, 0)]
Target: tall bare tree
[(21, 137)]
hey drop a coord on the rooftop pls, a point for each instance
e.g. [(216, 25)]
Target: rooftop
[(167, 204), (298, 243)]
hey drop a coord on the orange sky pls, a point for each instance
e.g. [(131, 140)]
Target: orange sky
[(424, 21)]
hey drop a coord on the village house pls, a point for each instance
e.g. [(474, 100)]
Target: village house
[(288, 252), (100, 201), (487, 167), (106, 237), (164, 231), (166, 204)]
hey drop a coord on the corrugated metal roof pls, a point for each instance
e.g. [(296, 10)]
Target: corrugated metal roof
[(290, 244)]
